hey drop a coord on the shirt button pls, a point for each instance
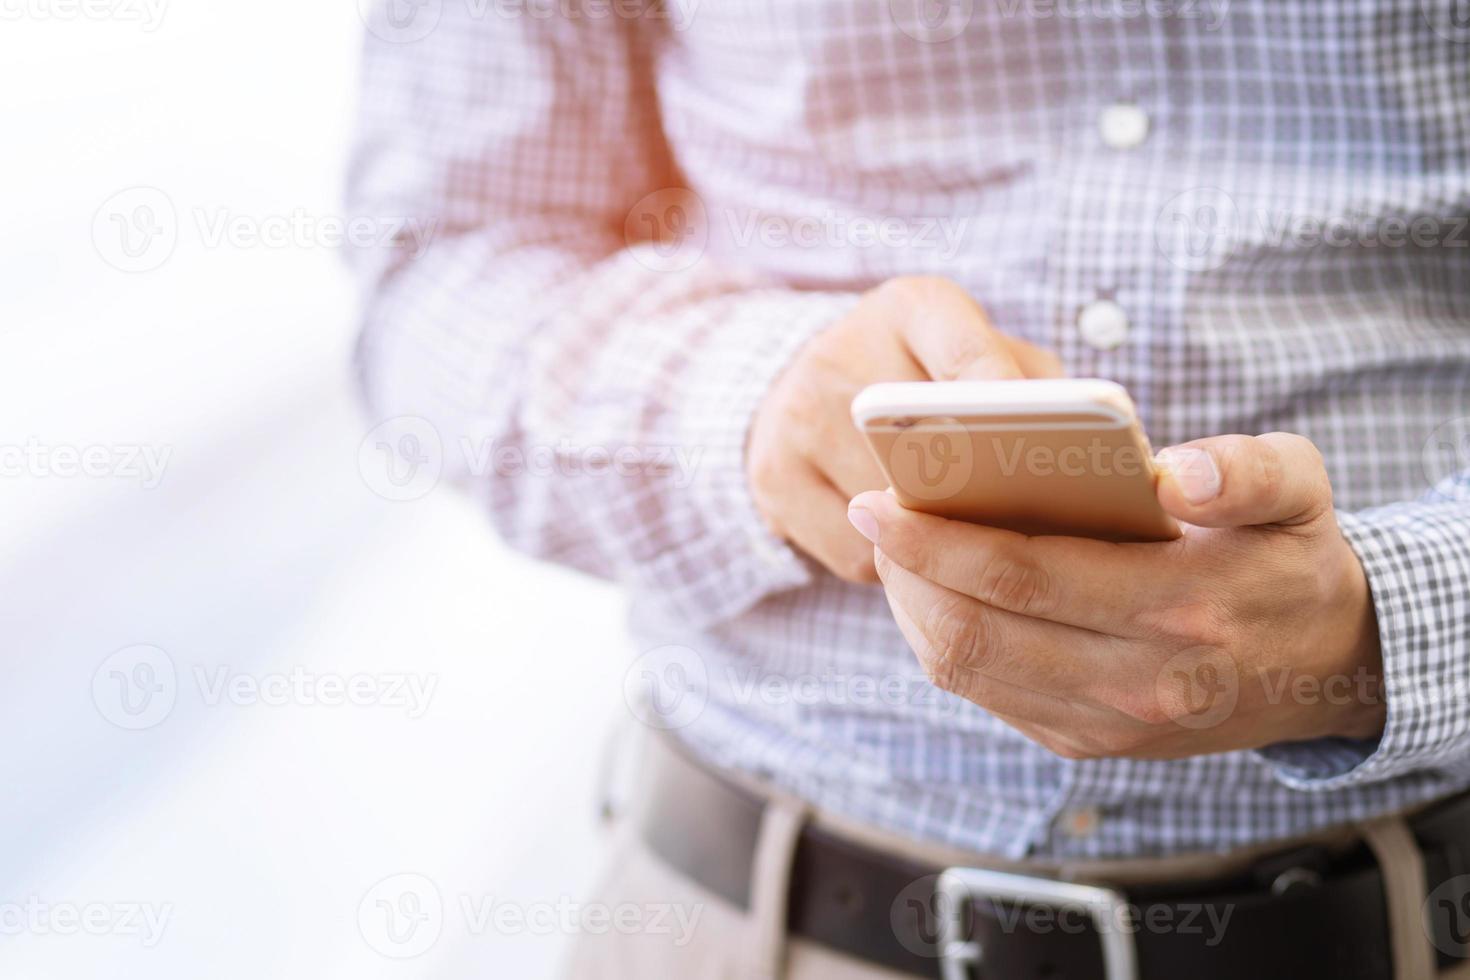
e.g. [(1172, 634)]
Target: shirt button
[(1080, 822), (1103, 324), (1124, 126)]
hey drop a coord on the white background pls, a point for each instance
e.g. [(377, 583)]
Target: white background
[(258, 829)]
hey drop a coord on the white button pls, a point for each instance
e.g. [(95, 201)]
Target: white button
[(1124, 126), (1103, 323), (1081, 822)]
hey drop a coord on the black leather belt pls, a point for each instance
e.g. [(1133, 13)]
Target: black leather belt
[(1307, 913)]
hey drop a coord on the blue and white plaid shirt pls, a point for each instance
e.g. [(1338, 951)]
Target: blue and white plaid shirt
[(1252, 213)]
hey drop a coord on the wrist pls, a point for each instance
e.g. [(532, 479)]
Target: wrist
[(1363, 715)]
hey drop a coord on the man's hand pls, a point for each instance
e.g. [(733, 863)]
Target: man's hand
[(805, 459), (1256, 627)]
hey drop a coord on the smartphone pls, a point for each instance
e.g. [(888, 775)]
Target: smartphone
[(1039, 457)]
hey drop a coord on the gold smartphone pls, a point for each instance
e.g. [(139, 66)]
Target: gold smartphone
[(1039, 457)]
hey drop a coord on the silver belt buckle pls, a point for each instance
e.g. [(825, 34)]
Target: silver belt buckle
[(958, 887)]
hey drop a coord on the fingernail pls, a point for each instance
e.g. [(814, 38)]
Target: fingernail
[(864, 521), (1194, 471)]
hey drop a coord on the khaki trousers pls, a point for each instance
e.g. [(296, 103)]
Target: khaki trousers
[(672, 927)]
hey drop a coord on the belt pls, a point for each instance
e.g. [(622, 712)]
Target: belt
[(1308, 912)]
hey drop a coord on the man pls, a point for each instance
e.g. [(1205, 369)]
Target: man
[(700, 229)]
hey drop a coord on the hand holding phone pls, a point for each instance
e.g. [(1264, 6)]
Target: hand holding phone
[(805, 460), (1054, 456)]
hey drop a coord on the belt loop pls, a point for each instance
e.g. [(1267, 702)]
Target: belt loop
[(770, 885), (1404, 892)]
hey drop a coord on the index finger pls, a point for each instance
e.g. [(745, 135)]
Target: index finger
[(1096, 585), (950, 336)]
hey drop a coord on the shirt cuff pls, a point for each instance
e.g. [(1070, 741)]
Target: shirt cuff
[(1417, 560), (757, 337)]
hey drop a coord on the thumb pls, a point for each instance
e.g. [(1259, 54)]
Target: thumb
[(1239, 481)]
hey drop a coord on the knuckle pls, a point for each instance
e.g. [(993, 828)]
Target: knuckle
[(1114, 743), (1194, 623), (766, 469), (882, 564), (1068, 749), (1009, 583), (1142, 704), (960, 640), (857, 566), (916, 288), (963, 347)]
